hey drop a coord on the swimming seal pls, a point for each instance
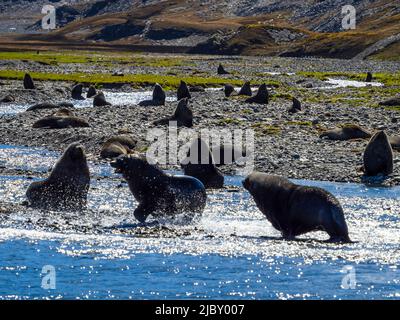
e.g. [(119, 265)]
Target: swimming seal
[(183, 115), (261, 96), (158, 193), (294, 210), (183, 91), (67, 186), (158, 98), (28, 82), (347, 132), (199, 163), (378, 156)]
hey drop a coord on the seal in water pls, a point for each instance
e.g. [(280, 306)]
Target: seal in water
[(294, 210), (158, 193), (28, 82), (67, 186), (76, 92), (245, 90), (199, 163), (183, 115), (158, 99), (99, 100), (378, 156), (261, 96), (347, 132), (183, 91)]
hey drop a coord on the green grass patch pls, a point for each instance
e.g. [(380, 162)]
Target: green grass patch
[(265, 129), (300, 123)]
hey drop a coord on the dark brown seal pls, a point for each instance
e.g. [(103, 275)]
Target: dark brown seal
[(378, 156), (347, 132), (183, 115), (261, 97)]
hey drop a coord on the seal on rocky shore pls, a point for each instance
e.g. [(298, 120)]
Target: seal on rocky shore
[(221, 69), (245, 90), (199, 163), (296, 106), (91, 92), (47, 105), (62, 119), (183, 91), (261, 96), (28, 82), (378, 156), (158, 193), (369, 77), (228, 90), (395, 101), (117, 145), (158, 98), (183, 115), (76, 92), (294, 210), (347, 132), (67, 186), (99, 100)]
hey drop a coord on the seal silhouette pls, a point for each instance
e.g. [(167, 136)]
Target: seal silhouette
[(183, 91), (296, 106), (99, 100), (158, 193), (221, 70), (378, 156), (347, 132), (158, 98), (91, 92), (67, 186), (369, 77), (28, 82), (294, 210), (183, 115), (76, 92), (199, 163), (228, 90), (261, 97), (245, 90)]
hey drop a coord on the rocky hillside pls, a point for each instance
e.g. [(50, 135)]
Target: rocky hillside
[(271, 27)]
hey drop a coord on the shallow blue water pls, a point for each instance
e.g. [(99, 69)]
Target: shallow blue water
[(232, 252)]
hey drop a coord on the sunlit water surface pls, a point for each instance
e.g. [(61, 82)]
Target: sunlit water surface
[(231, 252)]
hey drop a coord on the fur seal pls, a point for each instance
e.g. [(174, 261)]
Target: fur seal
[(67, 186), (261, 96), (158, 99), (76, 92), (391, 102), (99, 100), (395, 142), (183, 91), (28, 82), (47, 105), (117, 145), (347, 132), (91, 92), (196, 89), (296, 106), (245, 90), (228, 90), (158, 193), (199, 163), (369, 77), (378, 156), (294, 210), (62, 119), (183, 115), (221, 70), (7, 99)]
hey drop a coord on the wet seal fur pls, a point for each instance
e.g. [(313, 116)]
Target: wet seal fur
[(206, 172), (158, 98), (183, 115), (294, 210), (67, 186), (378, 156), (348, 132), (158, 193)]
